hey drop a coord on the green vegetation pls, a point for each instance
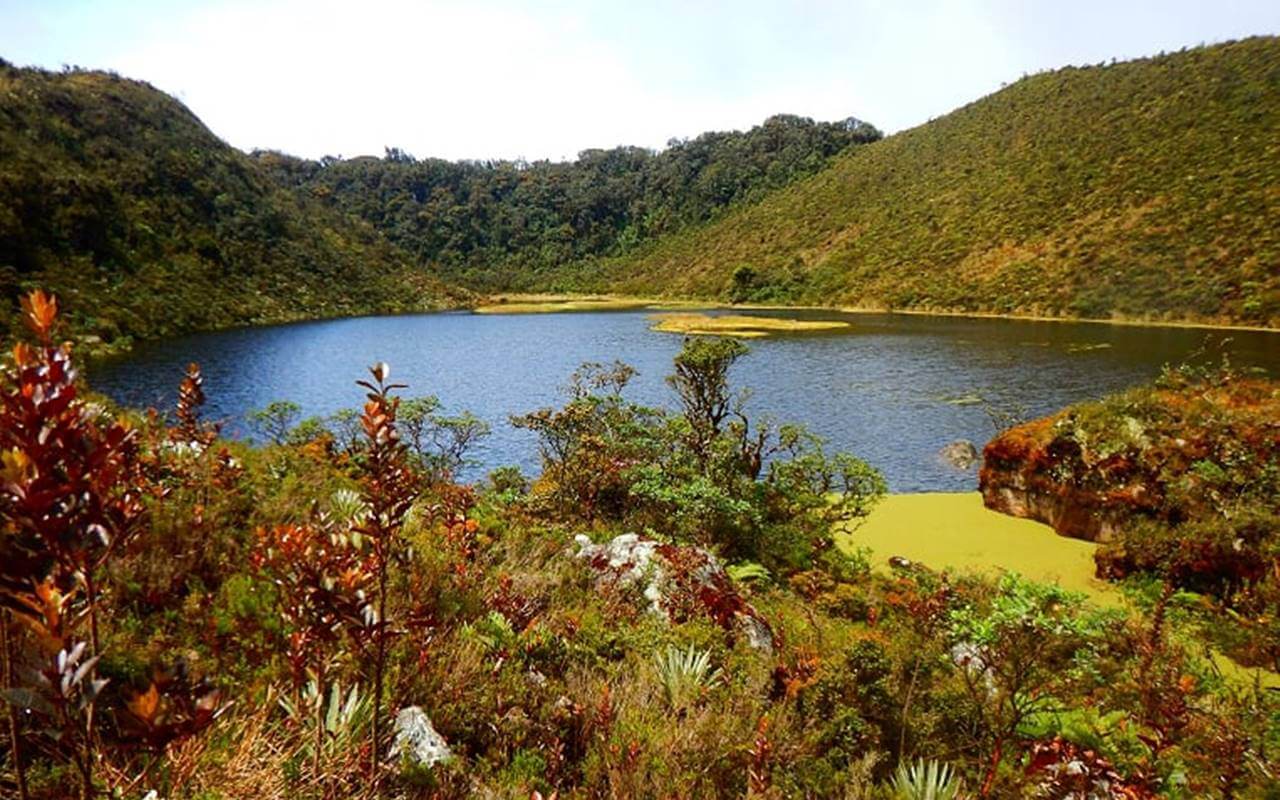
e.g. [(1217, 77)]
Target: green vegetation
[(1140, 190), (499, 224), (1143, 189), (206, 619), (925, 780), (709, 476), (115, 196)]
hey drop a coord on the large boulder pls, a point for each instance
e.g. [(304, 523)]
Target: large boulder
[(677, 582), (1185, 449)]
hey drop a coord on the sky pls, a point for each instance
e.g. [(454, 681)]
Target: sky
[(503, 79)]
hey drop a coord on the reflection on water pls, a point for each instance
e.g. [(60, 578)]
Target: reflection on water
[(893, 389)]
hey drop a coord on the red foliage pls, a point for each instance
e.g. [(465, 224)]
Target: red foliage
[(321, 578), (71, 491), (70, 478), (515, 607), (1065, 769), (789, 680), (171, 708), (698, 586)]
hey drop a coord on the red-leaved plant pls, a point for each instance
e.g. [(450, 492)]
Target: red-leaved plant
[(389, 487), (70, 500)]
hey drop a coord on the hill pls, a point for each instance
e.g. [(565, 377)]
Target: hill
[(117, 198), (496, 224), (1146, 189)]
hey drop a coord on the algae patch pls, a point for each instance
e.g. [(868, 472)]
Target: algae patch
[(957, 532), (739, 325)]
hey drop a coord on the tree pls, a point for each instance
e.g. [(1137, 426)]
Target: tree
[(276, 420), (701, 381)]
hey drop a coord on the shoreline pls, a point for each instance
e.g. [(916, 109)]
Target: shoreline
[(523, 303), (568, 303)]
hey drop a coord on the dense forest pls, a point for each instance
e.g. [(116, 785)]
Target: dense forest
[(113, 194), (493, 222), (1142, 189)]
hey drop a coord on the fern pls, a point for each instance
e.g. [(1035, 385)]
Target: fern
[(748, 571)]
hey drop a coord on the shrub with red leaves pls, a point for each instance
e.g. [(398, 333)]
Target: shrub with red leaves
[(1066, 771)]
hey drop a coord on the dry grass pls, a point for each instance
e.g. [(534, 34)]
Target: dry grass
[(559, 303), (739, 326)]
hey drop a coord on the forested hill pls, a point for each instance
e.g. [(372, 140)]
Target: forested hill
[(492, 224), (1145, 189), (117, 198)]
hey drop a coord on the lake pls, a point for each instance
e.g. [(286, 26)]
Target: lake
[(892, 389)]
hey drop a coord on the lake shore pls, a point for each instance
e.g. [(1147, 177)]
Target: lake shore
[(955, 532), (533, 303)]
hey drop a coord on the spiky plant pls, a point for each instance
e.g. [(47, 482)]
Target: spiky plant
[(685, 674), (340, 717), (348, 507), (926, 780)]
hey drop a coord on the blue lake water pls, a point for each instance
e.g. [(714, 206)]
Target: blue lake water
[(892, 389)]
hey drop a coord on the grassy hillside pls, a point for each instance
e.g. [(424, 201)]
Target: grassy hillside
[(117, 198), (1146, 189)]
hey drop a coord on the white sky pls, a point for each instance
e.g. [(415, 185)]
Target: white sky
[(498, 78)]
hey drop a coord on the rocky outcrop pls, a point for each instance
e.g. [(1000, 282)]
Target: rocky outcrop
[(1039, 471), (677, 581), (1185, 449)]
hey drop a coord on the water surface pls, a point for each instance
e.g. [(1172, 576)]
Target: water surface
[(892, 389)]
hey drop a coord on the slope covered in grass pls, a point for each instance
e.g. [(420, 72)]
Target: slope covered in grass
[(117, 198), (1145, 189)]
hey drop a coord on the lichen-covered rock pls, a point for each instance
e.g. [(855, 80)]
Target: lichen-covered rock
[(626, 559), (416, 741), (677, 581), (1040, 471)]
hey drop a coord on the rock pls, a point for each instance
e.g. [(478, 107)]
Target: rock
[(960, 454), (1030, 472), (664, 570), (972, 659), (627, 559), (417, 741), (758, 634)]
